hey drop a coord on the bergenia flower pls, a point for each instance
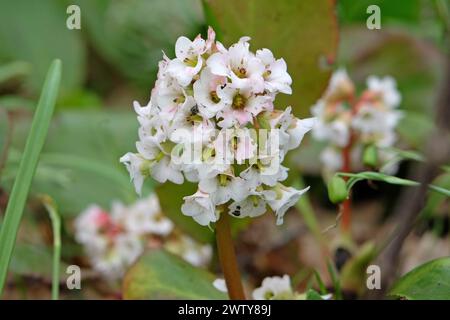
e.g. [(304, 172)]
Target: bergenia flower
[(211, 120), (274, 288), (344, 120), (279, 288), (114, 240)]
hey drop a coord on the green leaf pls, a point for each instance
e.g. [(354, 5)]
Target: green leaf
[(161, 275), (131, 35), (404, 11), (82, 150), (304, 33), (430, 281), (377, 176), (170, 197), (16, 103), (28, 164), (312, 294), (437, 197), (34, 261), (35, 32), (440, 190), (13, 70), (335, 280)]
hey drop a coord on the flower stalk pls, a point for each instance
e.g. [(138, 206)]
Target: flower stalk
[(346, 206), (227, 257)]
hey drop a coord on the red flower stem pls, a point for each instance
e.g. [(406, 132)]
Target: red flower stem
[(346, 210)]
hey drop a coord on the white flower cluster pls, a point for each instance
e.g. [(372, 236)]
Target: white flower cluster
[(204, 123), (113, 241), (280, 288), (344, 120)]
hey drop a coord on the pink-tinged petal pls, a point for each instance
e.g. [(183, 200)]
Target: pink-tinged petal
[(242, 116)]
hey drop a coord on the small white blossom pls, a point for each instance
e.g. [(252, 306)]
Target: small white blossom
[(200, 207), (285, 198), (197, 254), (386, 89), (220, 285), (274, 288), (275, 75)]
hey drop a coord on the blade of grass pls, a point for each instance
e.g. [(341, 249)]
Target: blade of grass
[(335, 280), (27, 167), (50, 205)]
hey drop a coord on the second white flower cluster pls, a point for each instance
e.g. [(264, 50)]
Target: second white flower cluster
[(204, 123), (114, 240), (347, 121)]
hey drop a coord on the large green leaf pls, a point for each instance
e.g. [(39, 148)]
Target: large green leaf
[(399, 10), (34, 261), (161, 275), (36, 32), (430, 281), (131, 35), (304, 33), (82, 156)]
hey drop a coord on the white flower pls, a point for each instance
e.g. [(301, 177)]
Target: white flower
[(297, 131), (171, 97), (223, 187), (145, 217), (160, 165), (138, 167), (257, 175), (340, 86), (88, 225), (252, 206), (274, 288), (112, 262), (206, 93), (386, 89), (110, 249), (200, 207), (241, 106), (165, 170), (291, 129), (334, 127), (190, 127), (370, 119), (275, 75), (240, 65), (197, 254), (285, 198), (235, 144), (331, 158), (220, 285), (188, 61)]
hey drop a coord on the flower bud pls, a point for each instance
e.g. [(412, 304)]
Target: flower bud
[(370, 156), (337, 190)]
